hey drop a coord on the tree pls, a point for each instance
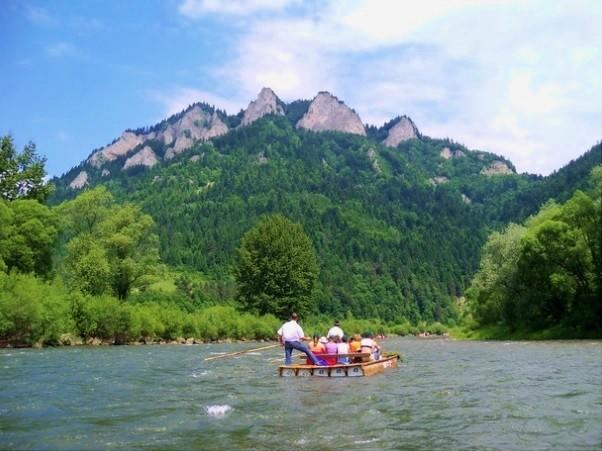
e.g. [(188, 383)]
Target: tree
[(132, 248), (28, 232), (87, 210), (490, 292), (547, 273), (112, 247), (277, 267), (22, 174)]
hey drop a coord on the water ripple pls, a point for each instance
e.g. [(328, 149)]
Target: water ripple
[(446, 395)]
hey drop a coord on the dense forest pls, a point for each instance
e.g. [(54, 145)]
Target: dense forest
[(397, 232), (546, 273)]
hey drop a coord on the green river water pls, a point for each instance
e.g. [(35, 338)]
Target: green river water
[(445, 395)]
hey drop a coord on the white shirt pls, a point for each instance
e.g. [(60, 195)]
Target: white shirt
[(291, 331), (343, 348), (335, 331)]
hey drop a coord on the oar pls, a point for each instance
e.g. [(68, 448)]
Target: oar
[(240, 352)]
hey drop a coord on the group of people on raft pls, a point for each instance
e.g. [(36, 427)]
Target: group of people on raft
[(333, 349)]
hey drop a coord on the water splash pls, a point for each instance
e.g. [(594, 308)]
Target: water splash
[(365, 442), (218, 410)]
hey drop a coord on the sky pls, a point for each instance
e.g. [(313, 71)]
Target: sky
[(522, 79)]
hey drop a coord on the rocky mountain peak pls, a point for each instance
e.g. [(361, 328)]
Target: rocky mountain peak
[(266, 103), (196, 124), (326, 112), (403, 130), (126, 142), (145, 157)]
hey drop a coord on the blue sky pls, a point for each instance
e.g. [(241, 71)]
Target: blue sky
[(518, 78)]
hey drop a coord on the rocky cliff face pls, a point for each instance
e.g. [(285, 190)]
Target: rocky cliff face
[(447, 154), (80, 181), (145, 157), (497, 168), (267, 103), (403, 130), (126, 142), (326, 112), (195, 125)]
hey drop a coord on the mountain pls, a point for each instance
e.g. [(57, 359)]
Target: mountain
[(267, 103), (399, 130), (327, 113), (397, 218)]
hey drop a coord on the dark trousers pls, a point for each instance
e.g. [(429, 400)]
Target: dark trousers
[(299, 346)]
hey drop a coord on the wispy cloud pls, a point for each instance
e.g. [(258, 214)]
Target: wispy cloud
[(176, 99), (517, 78), (39, 16), (82, 25), (195, 9), (62, 49)]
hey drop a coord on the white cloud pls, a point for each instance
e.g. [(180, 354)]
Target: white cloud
[(177, 99), (518, 78), (195, 9), (284, 55)]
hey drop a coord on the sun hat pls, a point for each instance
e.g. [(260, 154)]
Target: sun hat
[(323, 340)]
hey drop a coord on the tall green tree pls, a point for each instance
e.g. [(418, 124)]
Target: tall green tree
[(28, 232), (22, 173), (277, 267), (546, 273), (491, 292), (111, 248)]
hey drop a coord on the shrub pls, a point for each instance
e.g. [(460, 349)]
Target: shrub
[(32, 311)]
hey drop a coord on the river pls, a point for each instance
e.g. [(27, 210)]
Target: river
[(445, 395)]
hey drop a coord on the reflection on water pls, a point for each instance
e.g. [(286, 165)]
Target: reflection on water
[(446, 395)]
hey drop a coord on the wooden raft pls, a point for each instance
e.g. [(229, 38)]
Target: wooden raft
[(363, 368)]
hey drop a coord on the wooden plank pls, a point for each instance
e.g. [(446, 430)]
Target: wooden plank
[(355, 371), (378, 366), (321, 371), (388, 360), (231, 354), (338, 371), (287, 372), (371, 368)]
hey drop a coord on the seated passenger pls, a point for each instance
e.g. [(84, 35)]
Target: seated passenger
[(317, 347), (355, 343), (343, 348), (331, 348), (369, 345)]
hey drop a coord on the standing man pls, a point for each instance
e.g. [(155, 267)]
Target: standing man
[(336, 330), (291, 335)]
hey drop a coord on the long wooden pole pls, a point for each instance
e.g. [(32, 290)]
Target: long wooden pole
[(240, 352)]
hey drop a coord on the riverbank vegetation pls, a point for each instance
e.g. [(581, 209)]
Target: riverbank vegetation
[(543, 278), (38, 312), (96, 268)]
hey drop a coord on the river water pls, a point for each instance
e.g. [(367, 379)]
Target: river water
[(445, 395)]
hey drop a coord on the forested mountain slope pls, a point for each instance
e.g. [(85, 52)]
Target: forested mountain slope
[(397, 219)]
